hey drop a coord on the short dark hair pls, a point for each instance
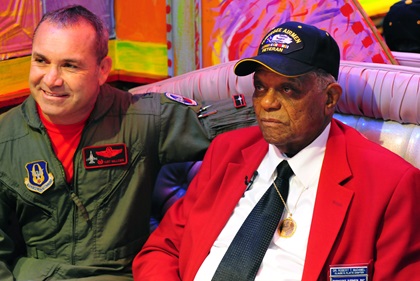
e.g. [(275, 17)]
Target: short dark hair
[(74, 14)]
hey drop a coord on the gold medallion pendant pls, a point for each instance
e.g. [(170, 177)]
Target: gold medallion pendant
[(287, 228)]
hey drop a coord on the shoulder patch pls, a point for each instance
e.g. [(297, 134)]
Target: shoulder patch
[(181, 99)]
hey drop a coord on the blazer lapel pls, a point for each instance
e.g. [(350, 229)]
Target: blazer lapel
[(229, 193), (233, 185), (331, 205)]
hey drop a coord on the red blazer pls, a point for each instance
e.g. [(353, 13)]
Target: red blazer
[(367, 210)]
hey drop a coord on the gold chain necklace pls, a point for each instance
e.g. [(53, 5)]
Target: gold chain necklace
[(287, 227)]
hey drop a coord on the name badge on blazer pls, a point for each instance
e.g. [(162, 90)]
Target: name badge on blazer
[(349, 272)]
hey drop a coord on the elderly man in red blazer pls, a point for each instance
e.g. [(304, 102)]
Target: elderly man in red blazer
[(348, 207)]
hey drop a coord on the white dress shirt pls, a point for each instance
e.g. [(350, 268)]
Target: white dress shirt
[(285, 257)]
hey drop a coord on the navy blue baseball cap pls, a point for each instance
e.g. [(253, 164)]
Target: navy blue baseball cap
[(293, 49), (401, 26)]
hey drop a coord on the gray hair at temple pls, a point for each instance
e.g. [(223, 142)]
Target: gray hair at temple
[(72, 15)]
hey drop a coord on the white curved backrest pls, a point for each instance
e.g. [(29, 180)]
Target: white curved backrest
[(381, 101)]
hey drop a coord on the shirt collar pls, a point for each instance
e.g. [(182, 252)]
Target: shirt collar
[(306, 164)]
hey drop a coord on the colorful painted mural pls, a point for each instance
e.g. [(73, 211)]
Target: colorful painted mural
[(141, 47), (375, 8), (155, 39), (17, 23), (238, 26)]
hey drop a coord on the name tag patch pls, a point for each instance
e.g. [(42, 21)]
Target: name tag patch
[(349, 273), (108, 155)]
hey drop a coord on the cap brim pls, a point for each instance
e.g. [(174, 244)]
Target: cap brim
[(280, 64)]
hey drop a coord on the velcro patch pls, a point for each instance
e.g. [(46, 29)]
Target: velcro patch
[(107, 155), (181, 99), (239, 100), (39, 179)]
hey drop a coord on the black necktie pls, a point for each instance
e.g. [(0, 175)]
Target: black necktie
[(246, 252)]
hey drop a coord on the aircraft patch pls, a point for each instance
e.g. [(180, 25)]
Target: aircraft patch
[(105, 156)]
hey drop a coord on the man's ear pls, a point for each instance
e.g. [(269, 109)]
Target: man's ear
[(104, 69), (334, 91)]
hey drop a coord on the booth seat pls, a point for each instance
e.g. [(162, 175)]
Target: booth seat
[(407, 59), (381, 101)]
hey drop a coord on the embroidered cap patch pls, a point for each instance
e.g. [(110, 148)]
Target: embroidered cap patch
[(105, 156), (38, 179), (281, 40)]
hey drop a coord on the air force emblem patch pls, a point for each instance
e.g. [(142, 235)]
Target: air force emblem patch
[(38, 179)]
